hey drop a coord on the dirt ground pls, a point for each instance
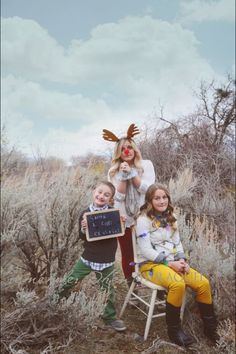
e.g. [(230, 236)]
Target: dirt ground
[(104, 340)]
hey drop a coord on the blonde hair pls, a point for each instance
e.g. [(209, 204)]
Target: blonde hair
[(116, 158)]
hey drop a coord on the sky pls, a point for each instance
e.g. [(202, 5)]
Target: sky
[(70, 68)]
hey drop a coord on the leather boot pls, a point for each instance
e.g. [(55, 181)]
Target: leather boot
[(209, 321), (175, 332)]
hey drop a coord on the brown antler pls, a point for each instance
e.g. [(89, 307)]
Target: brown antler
[(107, 135), (132, 131)]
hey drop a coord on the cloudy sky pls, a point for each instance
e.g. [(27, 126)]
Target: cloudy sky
[(72, 67)]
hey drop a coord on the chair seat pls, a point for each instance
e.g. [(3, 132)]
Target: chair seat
[(140, 279)]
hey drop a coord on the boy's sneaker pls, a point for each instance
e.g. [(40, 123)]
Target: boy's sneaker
[(117, 325)]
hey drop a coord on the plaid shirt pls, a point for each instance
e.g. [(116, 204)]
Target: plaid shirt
[(96, 266)]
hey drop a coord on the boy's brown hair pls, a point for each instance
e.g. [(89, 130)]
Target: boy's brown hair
[(109, 185)]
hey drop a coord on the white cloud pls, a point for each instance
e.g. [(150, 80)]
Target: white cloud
[(28, 50), (140, 60), (118, 76), (56, 123), (207, 10), (29, 110), (32, 98), (136, 47)]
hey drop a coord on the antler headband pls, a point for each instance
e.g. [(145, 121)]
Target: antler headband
[(131, 132)]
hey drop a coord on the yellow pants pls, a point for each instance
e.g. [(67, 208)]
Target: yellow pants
[(175, 283)]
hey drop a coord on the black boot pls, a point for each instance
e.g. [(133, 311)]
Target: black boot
[(209, 321), (175, 332)]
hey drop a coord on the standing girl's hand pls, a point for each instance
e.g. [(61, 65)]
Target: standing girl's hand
[(124, 167)]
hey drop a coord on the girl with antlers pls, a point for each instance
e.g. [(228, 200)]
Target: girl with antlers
[(131, 176)]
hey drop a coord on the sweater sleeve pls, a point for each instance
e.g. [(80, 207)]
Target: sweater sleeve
[(148, 176), (143, 229), (119, 197)]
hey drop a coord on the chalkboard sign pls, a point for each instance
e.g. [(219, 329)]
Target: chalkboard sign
[(104, 224)]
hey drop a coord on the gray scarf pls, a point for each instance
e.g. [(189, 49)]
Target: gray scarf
[(132, 199)]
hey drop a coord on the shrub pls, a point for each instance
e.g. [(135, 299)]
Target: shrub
[(211, 257), (40, 220), (37, 324)]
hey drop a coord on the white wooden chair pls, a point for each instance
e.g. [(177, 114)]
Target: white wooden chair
[(145, 299)]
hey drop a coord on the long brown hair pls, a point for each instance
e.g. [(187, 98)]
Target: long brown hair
[(148, 209)]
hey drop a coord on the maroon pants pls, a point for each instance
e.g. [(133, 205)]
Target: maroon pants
[(127, 255)]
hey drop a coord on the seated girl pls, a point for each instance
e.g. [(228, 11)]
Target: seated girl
[(162, 261)]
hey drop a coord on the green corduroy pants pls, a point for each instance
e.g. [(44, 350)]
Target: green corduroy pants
[(104, 277)]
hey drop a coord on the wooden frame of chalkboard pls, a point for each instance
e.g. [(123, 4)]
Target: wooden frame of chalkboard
[(104, 224)]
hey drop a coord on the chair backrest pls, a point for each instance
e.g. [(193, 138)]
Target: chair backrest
[(134, 242)]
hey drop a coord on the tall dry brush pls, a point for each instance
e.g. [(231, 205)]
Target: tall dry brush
[(40, 217)]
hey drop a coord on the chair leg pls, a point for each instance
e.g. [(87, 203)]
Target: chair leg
[(150, 313), (182, 308), (128, 296)]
